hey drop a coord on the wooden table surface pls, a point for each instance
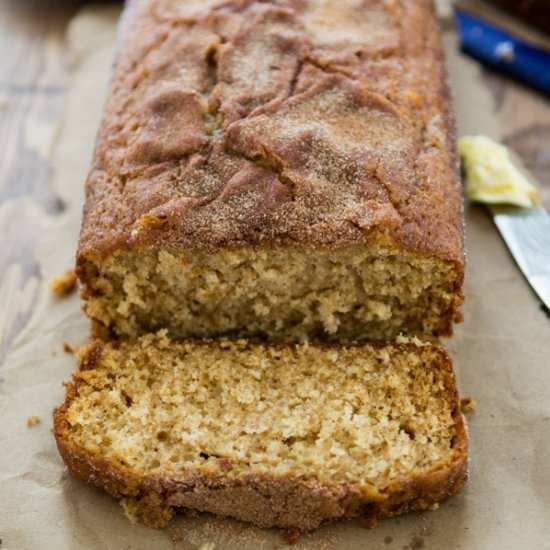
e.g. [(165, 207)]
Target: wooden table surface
[(34, 71)]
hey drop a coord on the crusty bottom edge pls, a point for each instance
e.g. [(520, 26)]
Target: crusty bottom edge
[(288, 502)]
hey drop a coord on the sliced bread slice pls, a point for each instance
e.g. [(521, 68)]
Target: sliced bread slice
[(278, 435)]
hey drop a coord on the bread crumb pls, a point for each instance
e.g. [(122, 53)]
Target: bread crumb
[(176, 534), (370, 523), (33, 420), (402, 339), (63, 284), (129, 507), (189, 512), (434, 506), (291, 536), (208, 546), (67, 348), (468, 404)]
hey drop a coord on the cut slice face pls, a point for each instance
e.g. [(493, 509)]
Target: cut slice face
[(279, 435)]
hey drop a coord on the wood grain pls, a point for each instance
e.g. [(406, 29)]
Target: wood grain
[(524, 116), (33, 82)]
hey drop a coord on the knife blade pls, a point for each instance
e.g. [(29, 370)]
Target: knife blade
[(526, 232)]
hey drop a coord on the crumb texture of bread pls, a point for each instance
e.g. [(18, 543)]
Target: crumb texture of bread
[(285, 436), (284, 295), (238, 132)]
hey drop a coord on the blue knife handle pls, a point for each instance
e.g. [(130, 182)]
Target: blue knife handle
[(504, 52)]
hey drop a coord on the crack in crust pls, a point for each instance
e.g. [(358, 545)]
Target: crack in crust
[(189, 75)]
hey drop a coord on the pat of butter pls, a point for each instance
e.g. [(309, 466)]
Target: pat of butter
[(491, 176)]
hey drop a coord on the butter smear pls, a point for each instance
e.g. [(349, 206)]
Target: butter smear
[(491, 176)]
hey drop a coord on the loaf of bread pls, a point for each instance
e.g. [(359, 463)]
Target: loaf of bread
[(288, 436), (280, 169)]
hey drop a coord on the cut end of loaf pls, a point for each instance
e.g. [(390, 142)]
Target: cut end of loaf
[(286, 436), (283, 295)]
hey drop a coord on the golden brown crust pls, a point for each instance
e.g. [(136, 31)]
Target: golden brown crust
[(266, 501), (243, 123)]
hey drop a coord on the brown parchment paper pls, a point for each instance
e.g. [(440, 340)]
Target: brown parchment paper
[(501, 355)]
